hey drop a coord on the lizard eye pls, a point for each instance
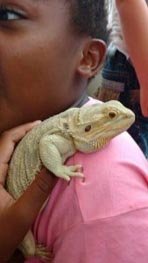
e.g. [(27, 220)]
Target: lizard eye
[(112, 114), (87, 128)]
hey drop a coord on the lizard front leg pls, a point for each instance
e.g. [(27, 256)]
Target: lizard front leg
[(54, 150)]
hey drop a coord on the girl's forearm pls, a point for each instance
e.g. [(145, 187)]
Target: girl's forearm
[(134, 21), (16, 220)]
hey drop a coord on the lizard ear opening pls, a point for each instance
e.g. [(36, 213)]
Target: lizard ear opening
[(65, 126)]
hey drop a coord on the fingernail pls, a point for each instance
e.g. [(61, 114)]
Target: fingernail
[(37, 122)]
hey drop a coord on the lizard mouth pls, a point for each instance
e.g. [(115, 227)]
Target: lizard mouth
[(98, 144)]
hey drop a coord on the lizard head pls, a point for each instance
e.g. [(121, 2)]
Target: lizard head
[(95, 125)]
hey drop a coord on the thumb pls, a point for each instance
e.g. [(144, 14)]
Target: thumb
[(3, 173)]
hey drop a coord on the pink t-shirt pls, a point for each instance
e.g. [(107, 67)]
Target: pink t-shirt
[(105, 218)]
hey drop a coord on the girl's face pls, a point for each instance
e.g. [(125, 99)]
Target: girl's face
[(38, 59)]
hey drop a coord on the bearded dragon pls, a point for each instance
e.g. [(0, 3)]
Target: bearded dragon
[(86, 129)]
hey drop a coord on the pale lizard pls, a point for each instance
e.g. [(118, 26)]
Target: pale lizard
[(85, 129)]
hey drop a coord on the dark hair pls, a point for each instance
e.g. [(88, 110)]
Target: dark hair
[(89, 17)]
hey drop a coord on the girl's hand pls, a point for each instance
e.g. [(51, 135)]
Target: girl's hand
[(13, 220), (17, 216), (8, 141)]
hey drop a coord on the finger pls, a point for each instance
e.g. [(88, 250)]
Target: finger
[(3, 173), (17, 133)]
